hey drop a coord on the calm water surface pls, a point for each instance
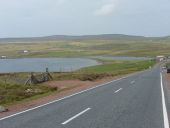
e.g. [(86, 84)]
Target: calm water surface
[(54, 64), (39, 64)]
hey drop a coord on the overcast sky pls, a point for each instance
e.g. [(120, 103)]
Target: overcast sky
[(23, 18)]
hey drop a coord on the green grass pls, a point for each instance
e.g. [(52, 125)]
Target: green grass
[(83, 48), (119, 66), (108, 68), (114, 68), (10, 93)]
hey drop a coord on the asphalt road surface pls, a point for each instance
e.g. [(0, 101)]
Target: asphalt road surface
[(136, 101)]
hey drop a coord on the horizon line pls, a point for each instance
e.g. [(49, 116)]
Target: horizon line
[(77, 35)]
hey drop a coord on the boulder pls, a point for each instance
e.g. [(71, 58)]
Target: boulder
[(3, 109)]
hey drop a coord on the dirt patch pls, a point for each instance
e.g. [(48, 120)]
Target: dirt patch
[(66, 87), (70, 83), (166, 80)]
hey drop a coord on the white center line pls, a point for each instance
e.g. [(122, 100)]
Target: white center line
[(165, 114), (68, 96), (132, 82), (118, 90), (72, 118)]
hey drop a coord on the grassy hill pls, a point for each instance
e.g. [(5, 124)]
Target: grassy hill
[(66, 37), (90, 45)]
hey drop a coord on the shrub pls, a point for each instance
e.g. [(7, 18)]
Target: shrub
[(93, 76), (12, 93)]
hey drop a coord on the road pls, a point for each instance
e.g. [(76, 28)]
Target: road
[(136, 101)]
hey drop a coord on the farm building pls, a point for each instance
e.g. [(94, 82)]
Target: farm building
[(3, 57), (160, 58)]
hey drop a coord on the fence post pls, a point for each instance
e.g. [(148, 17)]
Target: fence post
[(49, 77)]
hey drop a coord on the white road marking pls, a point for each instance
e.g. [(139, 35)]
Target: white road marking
[(77, 115), (118, 90), (165, 115), (132, 82), (62, 98), (43, 105)]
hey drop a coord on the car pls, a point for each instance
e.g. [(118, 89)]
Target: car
[(164, 67), (168, 70)]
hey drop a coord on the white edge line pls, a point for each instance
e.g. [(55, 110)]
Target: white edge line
[(67, 97), (77, 115), (118, 90), (165, 115)]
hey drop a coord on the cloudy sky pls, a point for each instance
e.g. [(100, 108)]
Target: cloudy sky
[(23, 18)]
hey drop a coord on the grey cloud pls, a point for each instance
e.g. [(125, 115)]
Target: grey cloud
[(46, 17)]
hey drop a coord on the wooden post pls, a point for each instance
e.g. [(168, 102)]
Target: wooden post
[(46, 70), (49, 77)]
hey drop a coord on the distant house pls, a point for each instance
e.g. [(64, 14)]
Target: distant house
[(25, 51), (160, 58), (3, 57)]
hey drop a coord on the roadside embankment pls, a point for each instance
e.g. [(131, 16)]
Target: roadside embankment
[(16, 96)]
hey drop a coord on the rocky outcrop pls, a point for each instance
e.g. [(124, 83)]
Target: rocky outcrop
[(3, 109)]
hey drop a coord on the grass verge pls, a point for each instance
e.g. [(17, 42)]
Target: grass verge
[(10, 93), (12, 89)]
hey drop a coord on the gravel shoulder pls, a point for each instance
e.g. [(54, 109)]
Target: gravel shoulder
[(166, 83)]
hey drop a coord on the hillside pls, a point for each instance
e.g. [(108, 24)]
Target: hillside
[(85, 46), (83, 37)]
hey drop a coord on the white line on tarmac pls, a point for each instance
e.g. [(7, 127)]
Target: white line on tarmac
[(165, 114), (132, 82), (62, 98), (77, 115), (118, 90), (19, 113)]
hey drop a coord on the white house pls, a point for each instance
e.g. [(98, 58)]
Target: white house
[(3, 57), (160, 58), (25, 51)]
